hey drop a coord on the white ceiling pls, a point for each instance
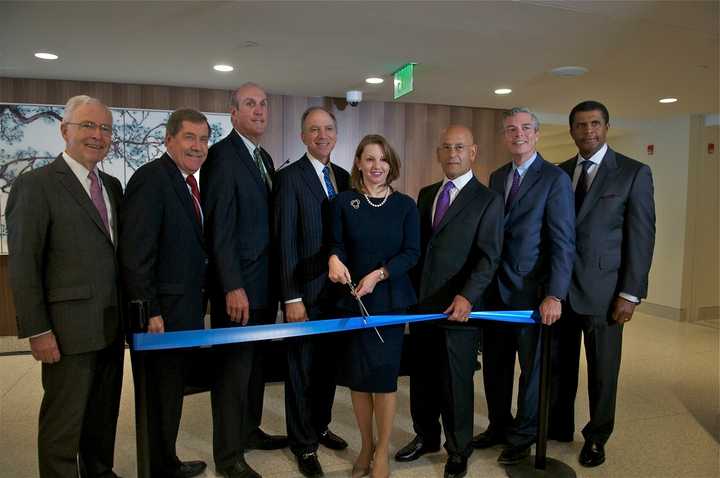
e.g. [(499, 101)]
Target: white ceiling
[(636, 51)]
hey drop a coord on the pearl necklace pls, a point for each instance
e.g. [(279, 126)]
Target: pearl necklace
[(380, 204)]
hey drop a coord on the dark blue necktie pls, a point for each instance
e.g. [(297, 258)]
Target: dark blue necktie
[(513, 191), (328, 184)]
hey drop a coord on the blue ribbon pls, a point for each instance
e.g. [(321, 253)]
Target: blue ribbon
[(229, 335)]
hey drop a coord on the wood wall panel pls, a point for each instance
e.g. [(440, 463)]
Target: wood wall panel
[(412, 129), (7, 306)]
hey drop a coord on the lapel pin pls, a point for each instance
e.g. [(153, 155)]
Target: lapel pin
[(355, 203)]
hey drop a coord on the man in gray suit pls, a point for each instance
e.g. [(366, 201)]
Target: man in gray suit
[(615, 217), (62, 233)]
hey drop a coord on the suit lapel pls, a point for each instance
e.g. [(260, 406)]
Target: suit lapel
[(114, 204), (463, 198), (606, 170), (532, 175), (341, 177), (70, 182), (247, 160), (311, 178), (425, 208), (182, 191)]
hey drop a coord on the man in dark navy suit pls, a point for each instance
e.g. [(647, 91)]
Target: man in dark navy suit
[(303, 190), (163, 261), (615, 239), (237, 182), (534, 273)]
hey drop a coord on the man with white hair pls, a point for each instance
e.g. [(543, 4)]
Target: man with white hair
[(62, 236)]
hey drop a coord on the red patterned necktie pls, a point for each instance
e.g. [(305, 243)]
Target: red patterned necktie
[(190, 180)]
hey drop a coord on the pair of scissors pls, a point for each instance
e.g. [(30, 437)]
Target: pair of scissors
[(363, 311)]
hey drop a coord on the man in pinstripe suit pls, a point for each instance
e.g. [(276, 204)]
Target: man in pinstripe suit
[(303, 191)]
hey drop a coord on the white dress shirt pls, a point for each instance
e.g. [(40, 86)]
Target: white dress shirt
[(196, 175), (319, 166), (592, 170), (459, 183)]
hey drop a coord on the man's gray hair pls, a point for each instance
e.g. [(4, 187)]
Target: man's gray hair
[(76, 102), (519, 109)]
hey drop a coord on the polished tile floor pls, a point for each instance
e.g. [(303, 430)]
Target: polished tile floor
[(668, 418)]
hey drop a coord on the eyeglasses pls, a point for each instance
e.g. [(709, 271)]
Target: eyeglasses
[(90, 126), (449, 148)]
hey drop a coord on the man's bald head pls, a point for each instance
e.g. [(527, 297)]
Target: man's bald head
[(457, 151)]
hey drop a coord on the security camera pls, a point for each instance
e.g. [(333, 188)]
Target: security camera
[(353, 97)]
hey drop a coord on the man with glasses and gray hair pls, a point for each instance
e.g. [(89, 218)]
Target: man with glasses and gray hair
[(534, 273), (62, 236)]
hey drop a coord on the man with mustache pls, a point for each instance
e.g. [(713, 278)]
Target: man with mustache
[(62, 236), (534, 273)]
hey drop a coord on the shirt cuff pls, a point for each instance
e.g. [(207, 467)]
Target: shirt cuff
[(292, 301), (41, 333), (629, 297)]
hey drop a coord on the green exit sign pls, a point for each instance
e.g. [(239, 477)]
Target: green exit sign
[(403, 80)]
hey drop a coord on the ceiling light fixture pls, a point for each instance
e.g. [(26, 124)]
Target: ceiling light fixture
[(667, 100), (223, 68), (569, 71), (374, 80), (46, 56), (503, 91)]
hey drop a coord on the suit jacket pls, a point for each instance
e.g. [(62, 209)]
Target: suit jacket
[(238, 219), (63, 267), (615, 234), (462, 256), (539, 239), (161, 249), (301, 209)]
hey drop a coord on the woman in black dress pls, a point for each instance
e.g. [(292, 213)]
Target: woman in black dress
[(374, 239)]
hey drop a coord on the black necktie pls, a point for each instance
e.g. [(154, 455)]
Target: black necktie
[(582, 185)]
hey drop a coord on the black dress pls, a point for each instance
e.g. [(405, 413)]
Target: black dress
[(365, 238)]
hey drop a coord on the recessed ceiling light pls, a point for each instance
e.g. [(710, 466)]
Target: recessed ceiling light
[(667, 100), (503, 91), (46, 56), (569, 71), (223, 68), (374, 80)]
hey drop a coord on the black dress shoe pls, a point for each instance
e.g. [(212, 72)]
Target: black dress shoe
[(592, 454), (513, 455), (309, 465), (188, 469), (456, 466), (487, 439), (259, 440), (330, 440), (415, 449), (239, 469)]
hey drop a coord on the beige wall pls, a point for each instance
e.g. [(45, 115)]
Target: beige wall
[(701, 291)]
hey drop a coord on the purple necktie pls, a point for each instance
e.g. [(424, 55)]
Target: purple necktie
[(97, 198), (514, 188), (443, 204)]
